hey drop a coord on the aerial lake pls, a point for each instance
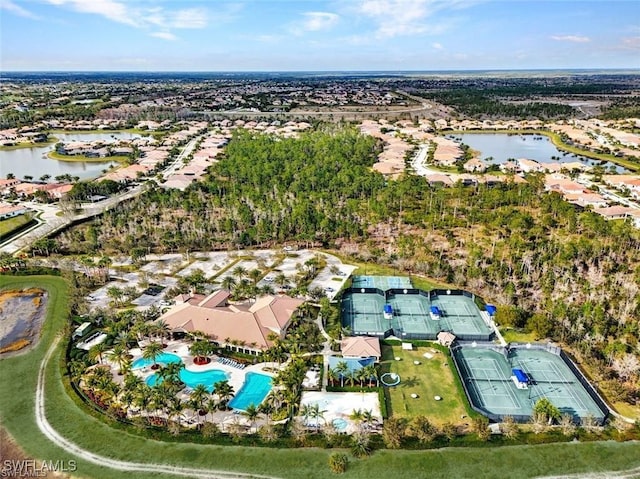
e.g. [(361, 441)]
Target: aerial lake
[(502, 146), (35, 162)]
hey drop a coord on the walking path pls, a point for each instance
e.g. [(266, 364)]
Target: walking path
[(72, 448)]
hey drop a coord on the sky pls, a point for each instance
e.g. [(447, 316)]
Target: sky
[(316, 35)]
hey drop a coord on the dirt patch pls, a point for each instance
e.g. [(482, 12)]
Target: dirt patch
[(15, 463), (22, 313)]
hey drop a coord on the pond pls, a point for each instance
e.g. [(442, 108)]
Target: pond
[(502, 146), (21, 315), (35, 162)]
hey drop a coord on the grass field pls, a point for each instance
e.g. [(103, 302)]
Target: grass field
[(17, 416), (12, 224), (514, 336), (57, 156), (432, 377)]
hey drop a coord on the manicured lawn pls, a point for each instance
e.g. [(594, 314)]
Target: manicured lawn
[(515, 336), (432, 377), (91, 159), (11, 224), (17, 416)]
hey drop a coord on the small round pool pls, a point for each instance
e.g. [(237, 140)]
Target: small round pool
[(340, 424), (164, 358)]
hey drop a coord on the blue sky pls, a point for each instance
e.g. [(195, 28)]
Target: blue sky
[(263, 35)]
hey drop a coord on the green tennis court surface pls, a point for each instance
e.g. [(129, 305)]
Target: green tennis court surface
[(362, 311), (486, 374)]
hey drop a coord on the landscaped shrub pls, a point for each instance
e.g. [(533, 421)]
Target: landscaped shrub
[(338, 462)]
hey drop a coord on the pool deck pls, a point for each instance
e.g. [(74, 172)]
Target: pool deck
[(336, 405), (236, 378)]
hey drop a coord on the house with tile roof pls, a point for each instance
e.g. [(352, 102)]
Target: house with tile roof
[(361, 347), (245, 327)]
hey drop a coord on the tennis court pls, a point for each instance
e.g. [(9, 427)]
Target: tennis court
[(486, 374), (363, 304), (362, 313), (381, 282), (461, 316)]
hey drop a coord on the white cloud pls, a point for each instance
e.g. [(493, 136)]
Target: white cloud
[(164, 35), (315, 21), (190, 18), (408, 17), (9, 6), (571, 38), (631, 43), (437, 46), (115, 11), (136, 15)]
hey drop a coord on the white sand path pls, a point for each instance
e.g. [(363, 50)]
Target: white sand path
[(72, 448)]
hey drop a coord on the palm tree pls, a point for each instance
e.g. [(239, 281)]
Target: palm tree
[(151, 352), (332, 376), (198, 398), (357, 416), (306, 412), (143, 398), (96, 352), (228, 283), (120, 356), (201, 349), (103, 265), (254, 275), (170, 374), (317, 415), (116, 294), (251, 413), (161, 329), (239, 272), (367, 417), (175, 408), (76, 369), (266, 408), (281, 280), (132, 382), (224, 391), (342, 368), (371, 373), (211, 406)]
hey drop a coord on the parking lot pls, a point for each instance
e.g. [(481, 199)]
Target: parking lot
[(165, 270)]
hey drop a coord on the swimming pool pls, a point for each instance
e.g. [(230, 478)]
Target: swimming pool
[(164, 358), (192, 379), (340, 424), (253, 391)]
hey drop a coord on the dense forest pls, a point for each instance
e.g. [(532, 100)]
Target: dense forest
[(500, 103), (554, 270)]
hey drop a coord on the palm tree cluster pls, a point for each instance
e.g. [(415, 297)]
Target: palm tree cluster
[(343, 373)]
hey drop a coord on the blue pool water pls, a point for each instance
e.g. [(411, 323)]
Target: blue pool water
[(340, 424), (253, 391), (164, 358), (192, 379)]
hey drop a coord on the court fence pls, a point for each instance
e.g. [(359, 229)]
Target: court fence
[(457, 345), (430, 295)]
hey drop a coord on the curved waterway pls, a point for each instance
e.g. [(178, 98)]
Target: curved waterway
[(497, 148), (35, 162)]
